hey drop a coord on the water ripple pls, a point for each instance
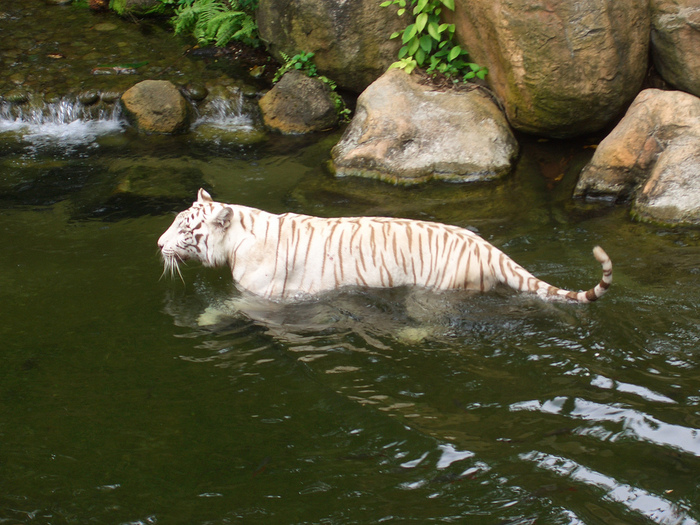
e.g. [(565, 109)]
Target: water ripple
[(635, 424), (653, 507)]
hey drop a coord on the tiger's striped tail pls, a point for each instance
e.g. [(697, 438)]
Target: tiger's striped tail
[(552, 293)]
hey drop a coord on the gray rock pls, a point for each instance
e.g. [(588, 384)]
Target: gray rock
[(156, 106), (299, 104), (675, 39), (349, 39), (671, 194), (652, 157), (407, 132)]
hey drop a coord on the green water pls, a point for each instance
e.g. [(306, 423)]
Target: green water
[(118, 407)]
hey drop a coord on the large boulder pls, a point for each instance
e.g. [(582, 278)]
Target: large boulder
[(405, 131), (156, 106), (299, 104), (651, 157), (350, 40), (560, 68), (675, 39)]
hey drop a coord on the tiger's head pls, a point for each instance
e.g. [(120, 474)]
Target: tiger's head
[(198, 233)]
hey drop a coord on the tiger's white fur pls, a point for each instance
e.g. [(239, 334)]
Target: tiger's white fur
[(290, 256)]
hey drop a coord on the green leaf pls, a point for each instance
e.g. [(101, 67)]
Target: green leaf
[(420, 57), (409, 33), (482, 73), (449, 4), (426, 43), (433, 31), (400, 11), (386, 4), (394, 35), (421, 20), (443, 27), (403, 51), (420, 7), (454, 53), (410, 67), (413, 46)]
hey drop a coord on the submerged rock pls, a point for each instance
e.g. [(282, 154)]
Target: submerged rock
[(675, 39), (350, 40), (156, 106), (563, 68), (651, 157), (407, 132), (299, 104)]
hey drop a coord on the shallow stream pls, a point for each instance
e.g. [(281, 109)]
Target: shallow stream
[(118, 407)]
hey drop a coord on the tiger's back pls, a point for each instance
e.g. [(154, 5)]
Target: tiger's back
[(288, 256)]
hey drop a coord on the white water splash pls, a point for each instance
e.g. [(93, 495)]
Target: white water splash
[(226, 114), (66, 123)]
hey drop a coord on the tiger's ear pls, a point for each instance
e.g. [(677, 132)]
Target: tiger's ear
[(203, 196), (223, 218)]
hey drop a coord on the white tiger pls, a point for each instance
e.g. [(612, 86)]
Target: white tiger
[(291, 256)]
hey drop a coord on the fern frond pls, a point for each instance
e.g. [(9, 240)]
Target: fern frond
[(217, 21)]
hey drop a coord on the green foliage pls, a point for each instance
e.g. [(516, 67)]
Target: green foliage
[(216, 21), (301, 61), (429, 44)]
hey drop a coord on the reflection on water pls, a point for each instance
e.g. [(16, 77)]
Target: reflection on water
[(379, 349), (655, 508)]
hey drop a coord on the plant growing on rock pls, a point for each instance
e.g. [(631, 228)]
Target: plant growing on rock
[(430, 44), (301, 61), (304, 62)]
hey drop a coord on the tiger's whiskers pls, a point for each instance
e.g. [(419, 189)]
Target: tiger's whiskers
[(171, 266)]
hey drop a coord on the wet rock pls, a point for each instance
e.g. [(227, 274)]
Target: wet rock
[(560, 68), (299, 104), (87, 98), (196, 91), (675, 39), (407, 132), (110, 97), (651, 157), (16, 97), (105, 26), (156, 106), (350, 40)]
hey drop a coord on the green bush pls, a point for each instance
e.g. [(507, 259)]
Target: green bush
[(430, 44)]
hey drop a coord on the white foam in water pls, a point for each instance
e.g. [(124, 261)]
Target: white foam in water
[(226, 114), (62, 123)]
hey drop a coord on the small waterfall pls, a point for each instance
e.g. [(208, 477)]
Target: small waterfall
[(66, 122), (223, 118), (227, 114)]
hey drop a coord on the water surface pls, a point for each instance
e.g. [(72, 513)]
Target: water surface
[(118, 406)]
